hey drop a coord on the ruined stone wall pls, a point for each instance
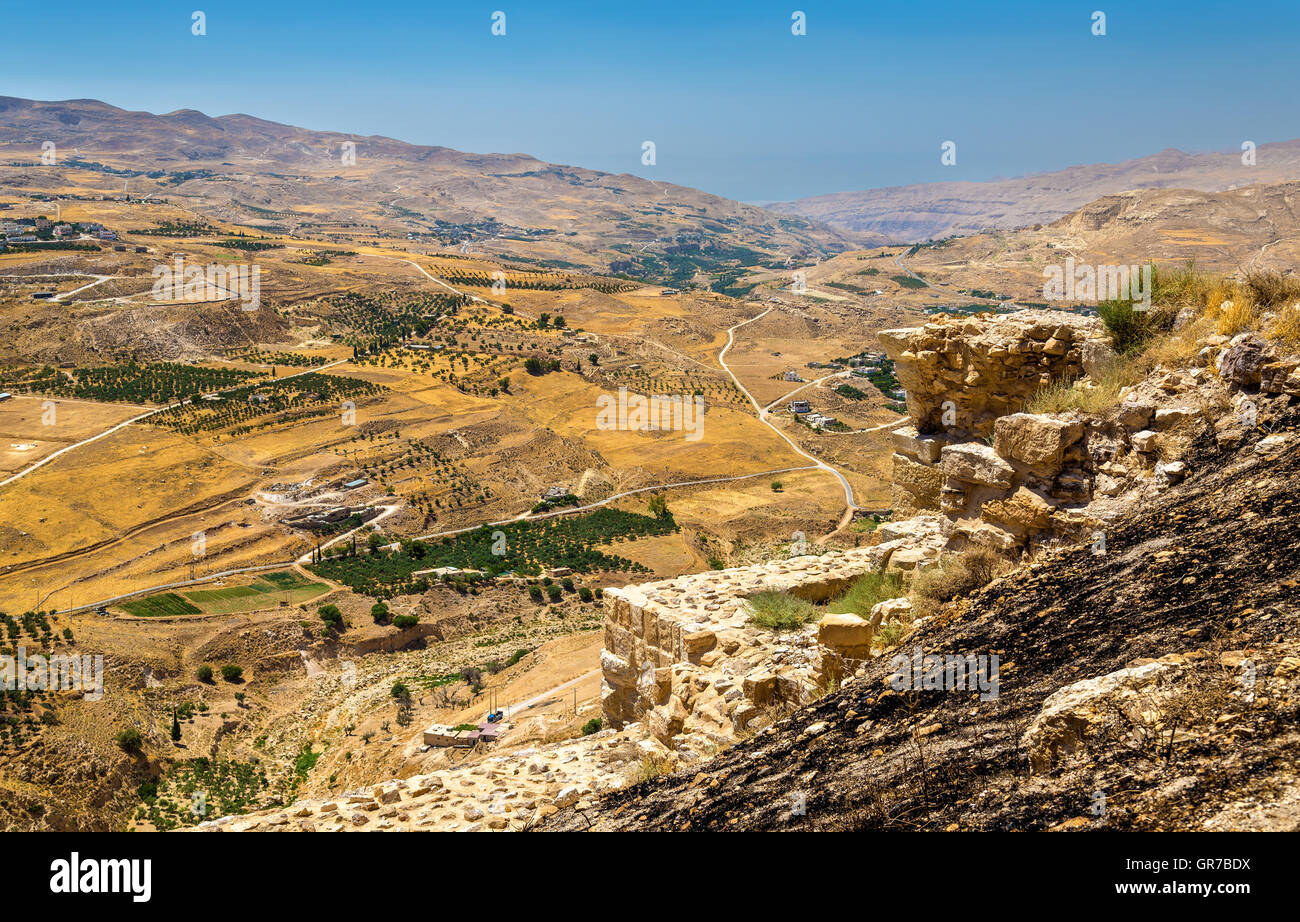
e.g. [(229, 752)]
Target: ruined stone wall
[(1007, 479), (961, 374), (682, 657)]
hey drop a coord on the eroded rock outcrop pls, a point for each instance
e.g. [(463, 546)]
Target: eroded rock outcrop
[(1008, 479)]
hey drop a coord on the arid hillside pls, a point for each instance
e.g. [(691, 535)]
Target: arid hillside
[(929, 211), (1201, 581), (1255, 228), (1108, 640), (283, 179)]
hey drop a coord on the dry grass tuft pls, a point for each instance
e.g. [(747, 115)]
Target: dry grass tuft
[(1094, 395), (957, 575)]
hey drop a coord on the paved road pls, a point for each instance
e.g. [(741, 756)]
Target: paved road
[(512, 709)]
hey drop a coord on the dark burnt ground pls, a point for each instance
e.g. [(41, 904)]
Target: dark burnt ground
[(1230, 583)]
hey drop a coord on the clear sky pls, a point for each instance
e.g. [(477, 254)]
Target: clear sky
[(735, 103)]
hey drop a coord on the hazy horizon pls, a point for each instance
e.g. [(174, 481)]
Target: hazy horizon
[(735, 103)]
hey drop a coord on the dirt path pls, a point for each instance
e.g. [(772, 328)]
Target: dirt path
[(850, 505)]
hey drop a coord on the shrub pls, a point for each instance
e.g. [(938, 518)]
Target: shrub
[(654, 766), (379, 612), (129, 740), (1101, 394), (585, 594), (780, 611), (401, 691), (1270, 290), (331, 615), (1132, 329), (205, 673), (535, 593), (866, 591), (405, 621), (554, 592), (592, 726), (957, 575), (232, 673)]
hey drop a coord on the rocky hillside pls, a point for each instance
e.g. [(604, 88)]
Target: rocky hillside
[(933, 210), (1146, 645)]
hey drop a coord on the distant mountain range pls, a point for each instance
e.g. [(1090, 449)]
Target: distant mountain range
[(294, 180), (931, 211)]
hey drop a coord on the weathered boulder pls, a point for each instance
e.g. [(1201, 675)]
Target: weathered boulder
[(1244, 360), (922, 448), (1174, 417), (846, 635), (1024, 511), (984, 534), (1136, 415), (1038, 442), (1144, 441), (974, 462), (916, 486), (1071, 714), (891, 610)]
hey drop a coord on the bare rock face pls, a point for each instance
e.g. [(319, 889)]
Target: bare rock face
[(976, 463), (1244, 360), (961, 374), (917, 485), (1021, 513), (1071, 715)]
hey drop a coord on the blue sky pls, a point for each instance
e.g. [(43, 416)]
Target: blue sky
[(734, 102)]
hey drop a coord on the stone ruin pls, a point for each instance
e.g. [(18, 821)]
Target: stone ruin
[(1008, 479), (682, 658)]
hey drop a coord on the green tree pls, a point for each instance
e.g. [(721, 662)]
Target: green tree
[(176, 727), (331, 615), (129, 740)]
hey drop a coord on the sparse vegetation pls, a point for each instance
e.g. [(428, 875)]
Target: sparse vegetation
[(780, 611), (866, 592)]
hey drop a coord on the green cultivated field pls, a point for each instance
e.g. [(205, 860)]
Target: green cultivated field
[(154, 606), (265, 592)]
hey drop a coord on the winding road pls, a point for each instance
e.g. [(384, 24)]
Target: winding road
[(850, 505)]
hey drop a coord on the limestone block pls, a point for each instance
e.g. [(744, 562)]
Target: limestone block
[(977, 463)]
